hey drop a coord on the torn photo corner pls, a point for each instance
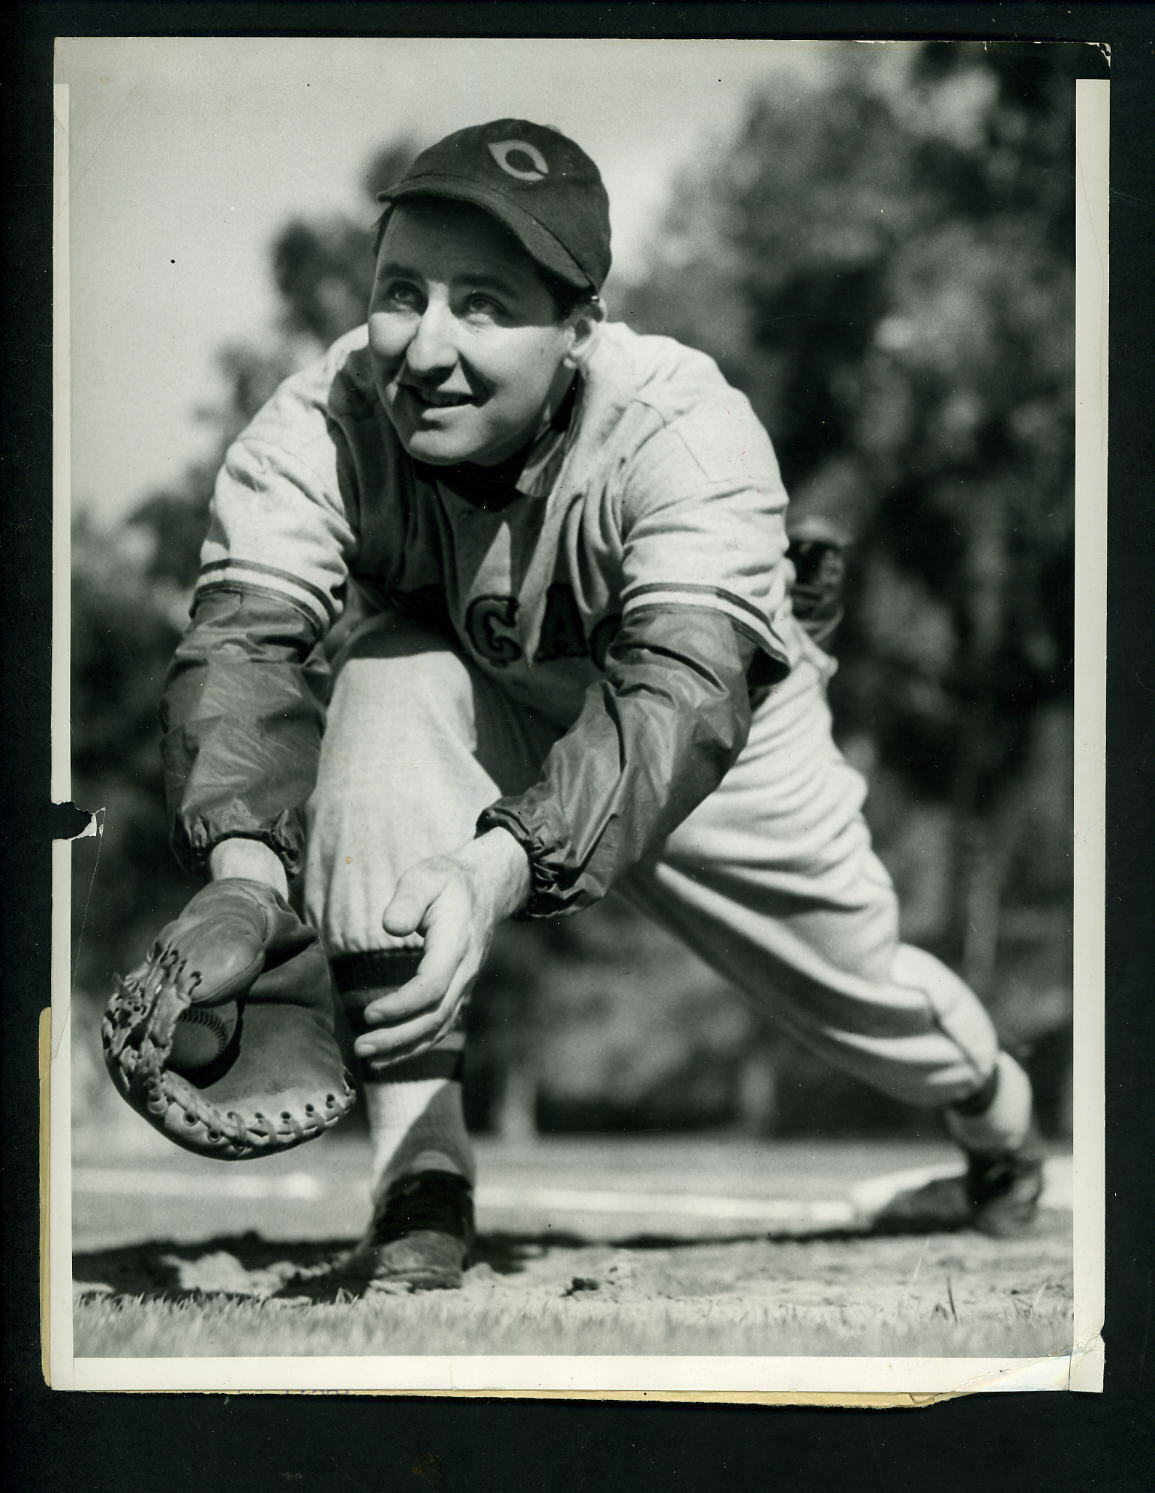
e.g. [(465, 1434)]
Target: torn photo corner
[(720, 1134)]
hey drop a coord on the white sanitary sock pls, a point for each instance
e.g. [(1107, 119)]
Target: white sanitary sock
[(1006, 1122), (416, 1121)]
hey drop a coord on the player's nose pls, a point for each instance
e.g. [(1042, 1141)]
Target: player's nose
[(432, 348)]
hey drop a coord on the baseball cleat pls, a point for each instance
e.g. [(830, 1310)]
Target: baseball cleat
[(421, 1238), (1003, 1191)]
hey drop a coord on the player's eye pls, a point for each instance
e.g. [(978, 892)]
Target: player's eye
[(479, 305), (400, 294)]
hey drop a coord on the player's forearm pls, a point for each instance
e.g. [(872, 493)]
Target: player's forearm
[(653, 740), (251, 860), (243, 726), (499, 862)]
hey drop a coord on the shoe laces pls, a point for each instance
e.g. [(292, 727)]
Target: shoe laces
[(440, 1202), (997, 1174)]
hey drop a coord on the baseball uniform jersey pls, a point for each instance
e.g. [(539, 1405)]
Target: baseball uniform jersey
[(599, 657)]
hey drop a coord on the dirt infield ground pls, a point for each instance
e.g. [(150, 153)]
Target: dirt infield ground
[(587, 1247)]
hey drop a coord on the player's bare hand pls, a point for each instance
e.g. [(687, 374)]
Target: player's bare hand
[(455, 902)]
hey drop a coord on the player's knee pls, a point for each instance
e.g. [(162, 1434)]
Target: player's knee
[(406, 645), (390, 635), (397, 673)]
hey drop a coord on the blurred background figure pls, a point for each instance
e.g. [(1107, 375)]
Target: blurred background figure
[(883, 262)]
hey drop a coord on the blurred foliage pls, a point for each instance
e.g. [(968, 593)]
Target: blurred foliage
[(885, 266), (893, 288)]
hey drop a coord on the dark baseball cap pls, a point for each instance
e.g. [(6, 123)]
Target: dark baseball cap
[(533, 180)]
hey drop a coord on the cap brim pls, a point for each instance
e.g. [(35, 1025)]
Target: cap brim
[(538, 242)]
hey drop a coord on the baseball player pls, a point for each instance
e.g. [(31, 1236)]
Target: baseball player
[(494, 615)]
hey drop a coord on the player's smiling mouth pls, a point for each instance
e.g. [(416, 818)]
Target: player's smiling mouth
[(435, 400)]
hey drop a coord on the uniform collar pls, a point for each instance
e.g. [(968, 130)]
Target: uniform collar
[(529, 473)]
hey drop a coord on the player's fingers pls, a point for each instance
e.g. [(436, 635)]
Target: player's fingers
[(415, 893), (395, 1040), (439, 975), (417, 997), (398, 1043), (409, 1039)]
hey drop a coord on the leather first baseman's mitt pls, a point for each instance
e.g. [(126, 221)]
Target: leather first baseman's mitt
[(223, 1038)]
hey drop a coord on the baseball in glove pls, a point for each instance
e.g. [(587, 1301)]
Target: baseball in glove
[(223, 1038)]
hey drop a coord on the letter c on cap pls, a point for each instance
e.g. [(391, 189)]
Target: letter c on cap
[(531, 167)]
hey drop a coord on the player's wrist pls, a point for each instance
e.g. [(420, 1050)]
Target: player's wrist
[(250, 860), (500, 864)]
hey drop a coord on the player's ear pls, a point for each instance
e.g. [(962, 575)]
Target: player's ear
[(584, 323)]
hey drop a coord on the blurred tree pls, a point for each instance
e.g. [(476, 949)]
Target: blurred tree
[(131, 592), (125, 881), (886, 268), (323, 269), (323, 273)]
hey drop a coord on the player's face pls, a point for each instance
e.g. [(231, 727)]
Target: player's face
[(469, 354)]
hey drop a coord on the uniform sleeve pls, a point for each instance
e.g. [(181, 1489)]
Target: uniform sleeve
[(242, 709), (703, 526), (242, 716), (284, 506), (655, 736), (705, 618)]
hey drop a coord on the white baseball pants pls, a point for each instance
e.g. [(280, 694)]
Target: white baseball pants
[(772, 880)]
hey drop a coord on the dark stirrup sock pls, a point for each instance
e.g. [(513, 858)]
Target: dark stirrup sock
[(360, 978), (982, 1098)]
